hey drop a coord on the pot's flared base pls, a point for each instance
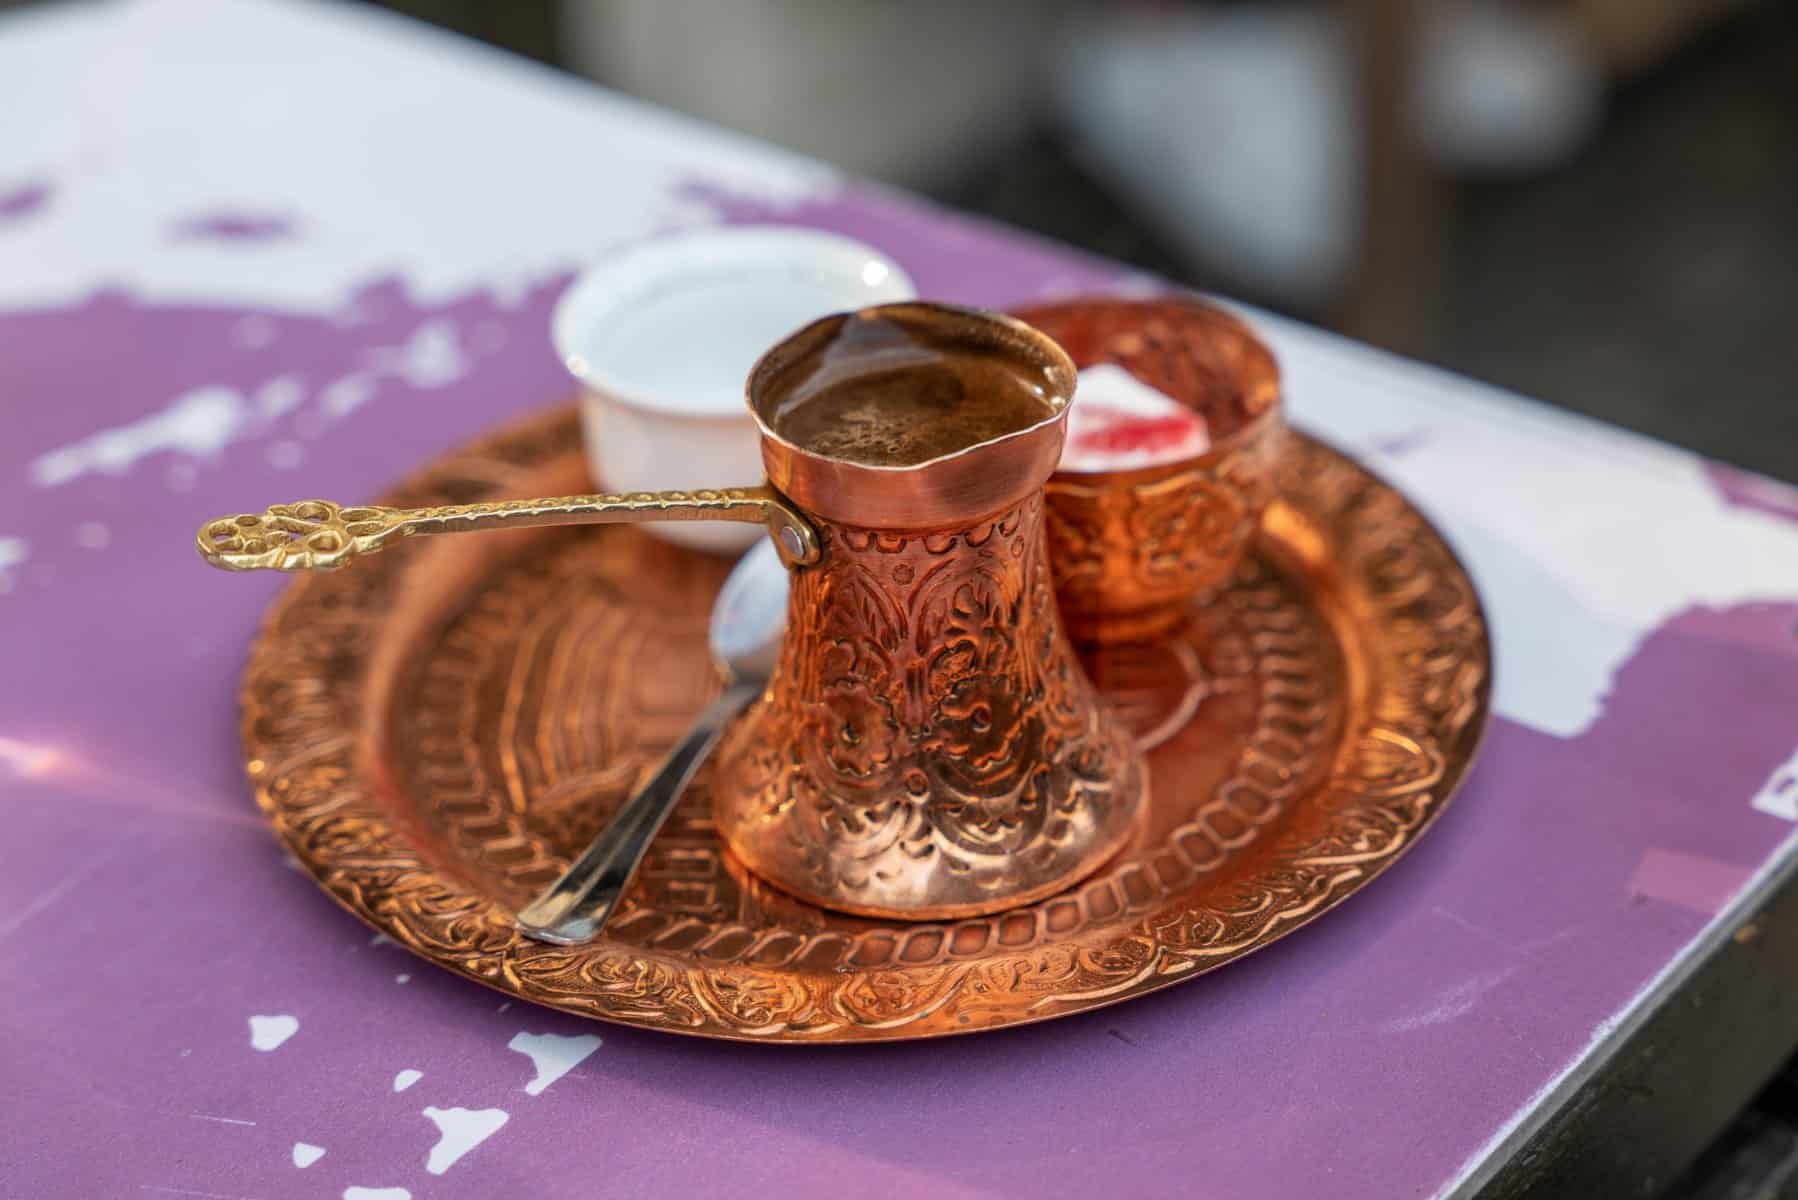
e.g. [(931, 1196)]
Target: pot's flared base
[(930, 880)]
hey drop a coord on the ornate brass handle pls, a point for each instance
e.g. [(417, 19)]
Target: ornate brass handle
[(317, 535)]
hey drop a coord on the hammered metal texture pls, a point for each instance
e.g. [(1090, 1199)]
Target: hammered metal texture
[(434, 734), (928, 746)]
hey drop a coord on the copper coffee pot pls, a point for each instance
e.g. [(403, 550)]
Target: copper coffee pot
[(928, 746)]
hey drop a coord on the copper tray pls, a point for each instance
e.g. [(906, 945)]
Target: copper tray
[(436, 731)]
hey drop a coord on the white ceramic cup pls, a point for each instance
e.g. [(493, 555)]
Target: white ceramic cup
[(662, 335)]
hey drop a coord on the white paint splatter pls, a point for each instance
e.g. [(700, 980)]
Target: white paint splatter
[(381, 939), (413, 211), (279, 396), (366, 1193), (406, 1079), (460, 1130), (402, 979), (1569, 561), (305, 1154), (431, 358), (343, 396), (267, 1033), (285, 455), (91, 535), (1778, 797), (552, 1055), (198, 422)]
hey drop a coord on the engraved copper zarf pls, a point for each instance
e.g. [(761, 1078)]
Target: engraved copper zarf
[(1131, 548), (928, 747)]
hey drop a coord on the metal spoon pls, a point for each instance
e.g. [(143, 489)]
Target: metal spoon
[(747, 621)]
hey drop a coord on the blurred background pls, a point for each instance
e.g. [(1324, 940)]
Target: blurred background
[(1593, 202)]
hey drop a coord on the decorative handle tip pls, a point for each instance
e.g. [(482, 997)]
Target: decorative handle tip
[(310, 535)]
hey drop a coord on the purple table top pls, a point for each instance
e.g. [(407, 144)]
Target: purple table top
[(192, 325)]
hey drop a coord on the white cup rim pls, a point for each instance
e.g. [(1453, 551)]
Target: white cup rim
[(622, 277)]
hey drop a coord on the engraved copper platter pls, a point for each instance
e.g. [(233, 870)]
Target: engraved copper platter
[(434, 733)]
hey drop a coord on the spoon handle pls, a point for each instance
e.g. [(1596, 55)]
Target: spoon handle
[(574, 908), (319, 535)]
